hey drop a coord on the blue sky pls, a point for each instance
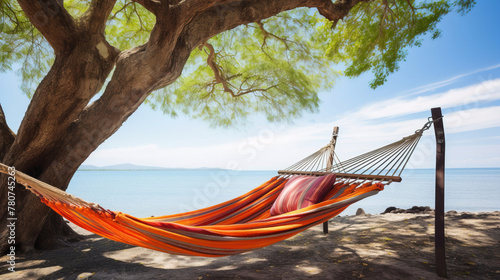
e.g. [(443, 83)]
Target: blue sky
[(459, 72)]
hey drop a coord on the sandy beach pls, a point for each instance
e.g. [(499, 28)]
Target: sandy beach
[(388, 246)]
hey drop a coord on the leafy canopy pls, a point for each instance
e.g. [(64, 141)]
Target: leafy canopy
[(275, 67)]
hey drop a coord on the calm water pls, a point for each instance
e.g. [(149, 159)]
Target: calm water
[(147, 193)]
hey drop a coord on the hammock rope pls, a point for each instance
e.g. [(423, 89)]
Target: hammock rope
[(243, 223), (384, 164)]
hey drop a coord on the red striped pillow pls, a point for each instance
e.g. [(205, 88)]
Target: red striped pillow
[(302, 191)]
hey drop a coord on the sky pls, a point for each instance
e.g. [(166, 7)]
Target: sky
[(459, 72)]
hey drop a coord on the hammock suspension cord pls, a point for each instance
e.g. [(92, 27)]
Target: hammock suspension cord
[(384, 164)]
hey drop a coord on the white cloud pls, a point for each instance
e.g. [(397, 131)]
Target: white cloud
[(466, 96), (273, 147), (436, 85), (359, 134), (472, 119)]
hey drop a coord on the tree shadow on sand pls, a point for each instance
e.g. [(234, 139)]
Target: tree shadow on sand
[(355, 248)]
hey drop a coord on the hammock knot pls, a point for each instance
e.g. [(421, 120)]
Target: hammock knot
[(427, 125)]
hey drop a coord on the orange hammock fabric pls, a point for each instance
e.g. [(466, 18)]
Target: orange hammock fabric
[(232, 227)]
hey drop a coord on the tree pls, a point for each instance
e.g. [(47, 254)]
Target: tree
[(238, 57)]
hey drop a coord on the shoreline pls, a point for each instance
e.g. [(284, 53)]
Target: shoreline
[(379, 246)]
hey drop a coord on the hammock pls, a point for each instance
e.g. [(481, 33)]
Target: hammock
[(243, 223)]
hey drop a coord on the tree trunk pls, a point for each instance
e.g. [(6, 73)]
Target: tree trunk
[(55, 233), (36, 226), (77, 74), (7, 137)]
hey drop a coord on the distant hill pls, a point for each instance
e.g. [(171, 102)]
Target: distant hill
[(129, 166), (123, 166), (88, 167)]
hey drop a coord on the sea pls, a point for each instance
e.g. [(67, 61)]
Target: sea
[(146, 193)]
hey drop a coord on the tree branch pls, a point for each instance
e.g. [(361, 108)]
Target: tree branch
[(121, 9), (192, 7), (52, 20), (267, 34), (336, 11), (7, 137), (151, 5), (411, 6), (256, 90), (217, 19), (219, 79), (97, 14)]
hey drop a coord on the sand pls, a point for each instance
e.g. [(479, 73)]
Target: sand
[(389, 246)]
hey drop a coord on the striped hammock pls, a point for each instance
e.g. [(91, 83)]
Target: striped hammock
[(243, 223)]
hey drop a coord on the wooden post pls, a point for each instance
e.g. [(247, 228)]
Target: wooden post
[(330, 163), (437, 118)]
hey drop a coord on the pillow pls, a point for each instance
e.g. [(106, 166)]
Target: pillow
[(302, 191)]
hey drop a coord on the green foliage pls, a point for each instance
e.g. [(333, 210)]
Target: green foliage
[(464, 6), (129, 25), (22, 47), (274, 67), (376, 35)]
